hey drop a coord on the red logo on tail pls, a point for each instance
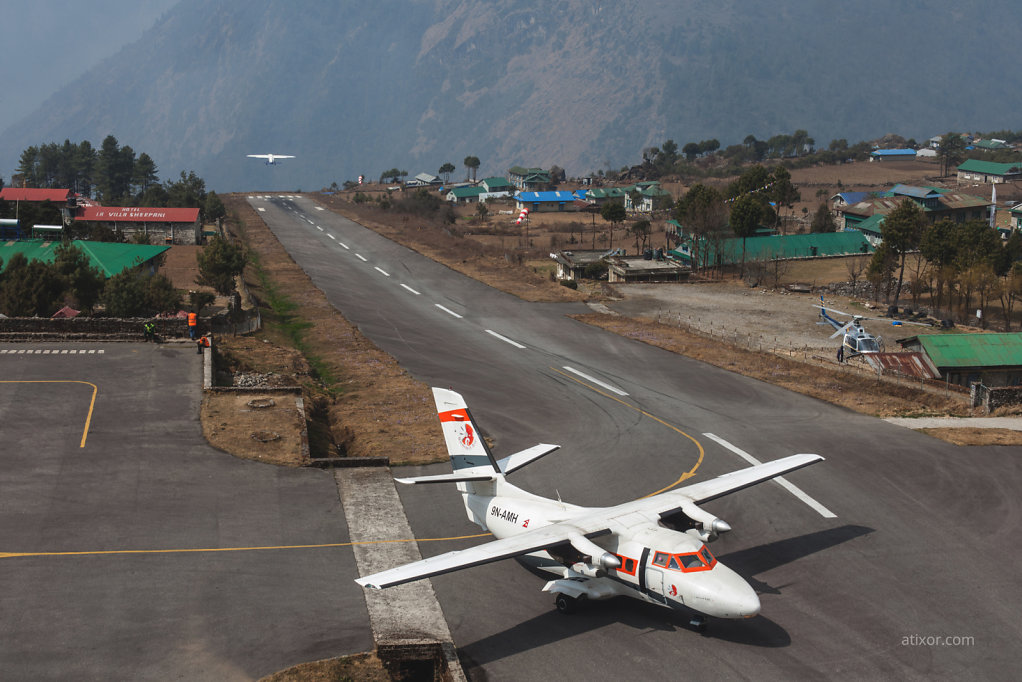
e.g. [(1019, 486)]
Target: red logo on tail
[(469, 436)]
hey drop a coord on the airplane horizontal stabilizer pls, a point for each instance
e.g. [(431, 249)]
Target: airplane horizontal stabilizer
[(447, 478), (527, 456)]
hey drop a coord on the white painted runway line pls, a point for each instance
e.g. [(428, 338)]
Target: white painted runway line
[(503, 338), (381, 271), (813, 504), (331, 236), (612, 389), (345, 245), (262, 208), (319, 208), (448, 311), (362, 258), (411, 289)]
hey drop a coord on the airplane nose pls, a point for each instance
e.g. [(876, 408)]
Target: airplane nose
[(746, 604), (735, 598)]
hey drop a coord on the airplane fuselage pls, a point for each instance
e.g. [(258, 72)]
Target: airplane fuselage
[(657, 565)]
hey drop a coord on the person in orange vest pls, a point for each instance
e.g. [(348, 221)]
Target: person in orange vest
[(193, 325), (203, 342)]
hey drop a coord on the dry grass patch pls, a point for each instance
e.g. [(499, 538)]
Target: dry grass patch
[(447, 244), (854, 392), (360, 668), (265, 427), (974, 436), (373, 407)]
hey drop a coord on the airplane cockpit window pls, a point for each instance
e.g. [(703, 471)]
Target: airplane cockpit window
[(689, 561)]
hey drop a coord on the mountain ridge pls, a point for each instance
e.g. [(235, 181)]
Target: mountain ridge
[(354, 88)]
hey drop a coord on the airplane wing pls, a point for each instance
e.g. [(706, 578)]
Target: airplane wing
[(588, 523), (258, 156), (524, 543), (704, 491), (283, 156)]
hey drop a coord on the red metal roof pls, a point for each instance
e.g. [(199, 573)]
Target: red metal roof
[(909, 363), (137, 214), (34, 194)]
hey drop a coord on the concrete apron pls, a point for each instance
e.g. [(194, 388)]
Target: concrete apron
[(406, 619)]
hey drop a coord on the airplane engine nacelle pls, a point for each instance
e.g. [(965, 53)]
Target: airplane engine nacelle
[(711, 526), (598, 569)]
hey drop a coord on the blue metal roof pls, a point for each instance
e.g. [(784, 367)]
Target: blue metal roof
[(853, 197), (893, 152), (914, 192), (542, 197)]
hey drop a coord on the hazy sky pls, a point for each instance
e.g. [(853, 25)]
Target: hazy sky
[(48, 43)]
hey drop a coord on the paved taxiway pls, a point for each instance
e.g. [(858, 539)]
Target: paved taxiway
[(146, 481), (924, 543)]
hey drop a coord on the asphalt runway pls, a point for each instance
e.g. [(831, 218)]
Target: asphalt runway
[(101, 499), (913, 578)]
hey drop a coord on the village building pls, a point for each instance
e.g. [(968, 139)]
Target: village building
[(936, 203), (994, 360), (976, 170), (529, 179), (165, 225)]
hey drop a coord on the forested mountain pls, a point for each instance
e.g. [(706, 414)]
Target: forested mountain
[(359, 87)]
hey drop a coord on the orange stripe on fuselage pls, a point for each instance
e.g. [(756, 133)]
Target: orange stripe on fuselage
[(460, 415)]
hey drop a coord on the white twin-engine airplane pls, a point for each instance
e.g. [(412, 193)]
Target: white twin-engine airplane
[(652, 549), (271, 159)]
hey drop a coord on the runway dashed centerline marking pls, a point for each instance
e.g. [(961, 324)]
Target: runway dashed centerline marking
[(612, 389), (381, 271), (331, 236), (51, 351), (410, 289), (344, 245), (319, 228), (503, 338), (448, 311), (813, 504), (362, 258)]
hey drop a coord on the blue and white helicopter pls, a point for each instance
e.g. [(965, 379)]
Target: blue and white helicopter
[(855, 339)]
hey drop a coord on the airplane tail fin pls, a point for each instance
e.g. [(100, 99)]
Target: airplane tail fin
[(477, 472), (465, 445)]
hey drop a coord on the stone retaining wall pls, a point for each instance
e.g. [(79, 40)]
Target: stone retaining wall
[(56, 329)]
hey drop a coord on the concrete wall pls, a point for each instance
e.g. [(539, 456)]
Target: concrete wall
[(993, 397), (42, 328)]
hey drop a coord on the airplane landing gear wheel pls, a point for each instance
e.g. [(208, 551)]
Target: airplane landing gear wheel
[(565, 604), (699, 623)]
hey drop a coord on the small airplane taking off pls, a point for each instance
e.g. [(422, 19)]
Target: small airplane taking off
[(855, 339), (271, 159), (652, 549)]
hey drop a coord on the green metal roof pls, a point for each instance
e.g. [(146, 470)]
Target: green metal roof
[(973, 350), (786, 246), (873, 224), (465, 192), (110, 257), (989, 167)]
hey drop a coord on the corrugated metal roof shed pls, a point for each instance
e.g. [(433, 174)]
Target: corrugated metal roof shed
[(989, 167), (973, 350), (34, 194), (136, 214), (787, 246), (110, 257)]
